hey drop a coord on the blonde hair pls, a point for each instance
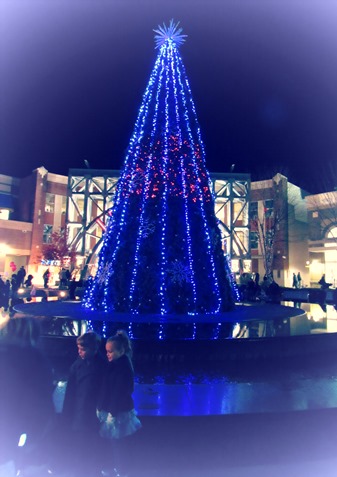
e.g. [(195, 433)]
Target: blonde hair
[(123, 342)]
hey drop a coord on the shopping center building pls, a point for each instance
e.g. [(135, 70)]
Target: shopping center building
[(270, 220)]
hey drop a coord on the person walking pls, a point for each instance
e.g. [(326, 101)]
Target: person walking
[(299, 280), (295, 281), (116, 411)]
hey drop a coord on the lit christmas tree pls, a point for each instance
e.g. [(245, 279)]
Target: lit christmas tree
[(162, 248)]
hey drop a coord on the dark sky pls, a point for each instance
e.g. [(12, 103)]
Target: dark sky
[(263, 75)]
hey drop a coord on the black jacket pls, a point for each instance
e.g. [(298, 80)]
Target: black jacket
[(80, 402), (118, 386)]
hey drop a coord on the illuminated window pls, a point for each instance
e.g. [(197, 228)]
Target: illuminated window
[(237, 209), (269, 208), (254, 240), (50, 203), (253, 210), (269, 238), (332, 234), (47, 232), (4, 214), (64, 204), (315, 214)]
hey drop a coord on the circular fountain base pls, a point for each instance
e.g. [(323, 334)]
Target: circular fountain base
[(258, 331), (240, 313)]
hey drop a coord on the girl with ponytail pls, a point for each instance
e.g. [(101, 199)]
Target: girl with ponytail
[(116, 411)]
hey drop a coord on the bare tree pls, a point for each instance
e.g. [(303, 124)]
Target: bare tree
[(266, 223), (278, 218)]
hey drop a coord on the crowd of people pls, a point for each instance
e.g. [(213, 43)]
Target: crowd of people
[(93, 433), (251, 289), (297, 280), (5, 292), (9, 287)]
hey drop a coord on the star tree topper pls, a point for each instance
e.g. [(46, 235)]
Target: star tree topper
[(172, 32)]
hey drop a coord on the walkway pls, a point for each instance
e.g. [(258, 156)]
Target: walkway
[(247, 423)]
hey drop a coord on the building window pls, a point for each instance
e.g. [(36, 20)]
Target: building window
[(47, 232), (315, 215), (332, 233), (269, 240), (64, 204), (254, 240), (4, 214), (50, 203), (269, 208), (253, 209)]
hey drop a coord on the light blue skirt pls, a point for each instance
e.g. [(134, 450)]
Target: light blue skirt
[(116, 427)]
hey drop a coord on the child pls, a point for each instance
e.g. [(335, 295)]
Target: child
[(80, 402), (116, 407)]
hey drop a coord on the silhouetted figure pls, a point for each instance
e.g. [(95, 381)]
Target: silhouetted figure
[(7, 291), (2, 292), (63, 278), (21, 276), (14, 299), (274, 293), (14, 284), (28, 282), (295, 281), (68, 276), (46, 277), (251, 290), (72, 287), (323, 283), (299, 280)]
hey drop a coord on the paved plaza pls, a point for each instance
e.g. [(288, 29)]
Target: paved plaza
[(254, 425), (263, 418)]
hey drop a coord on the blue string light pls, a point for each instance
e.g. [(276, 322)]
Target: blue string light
[(158, 253), (200, 193), (145, 197)]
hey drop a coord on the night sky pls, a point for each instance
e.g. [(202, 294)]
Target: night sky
[(263, 75)]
